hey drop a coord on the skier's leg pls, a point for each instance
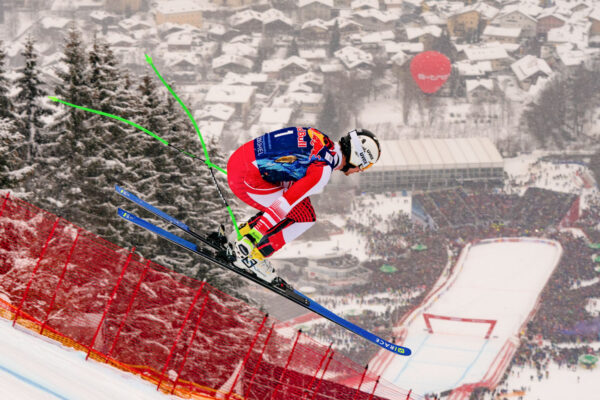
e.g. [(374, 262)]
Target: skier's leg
[(247, 184), (298, 221)]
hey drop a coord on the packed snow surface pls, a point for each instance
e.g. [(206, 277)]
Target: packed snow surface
[(495, 280), (33, 367)]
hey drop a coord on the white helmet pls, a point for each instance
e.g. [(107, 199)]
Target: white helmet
[(361, 149)]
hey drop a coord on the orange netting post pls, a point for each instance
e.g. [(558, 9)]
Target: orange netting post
[(362, 378), (34, 272), (318, 368), (185, 320), (109, 302), (260, 328), (4, 203), (287, 364), (131, 300), (260, 358), (60, 280), (322, 375), (187, 351), (375, 387), (408, 395)]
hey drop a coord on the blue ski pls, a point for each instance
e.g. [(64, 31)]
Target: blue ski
[(212, 242), (278, 286)]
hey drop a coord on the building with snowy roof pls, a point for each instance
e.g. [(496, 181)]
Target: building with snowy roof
[(495, 53), (240, 97), (353, 57), (179, 12), (501, 34), (529, 69), (479, 90), (517, 16), (410, 164)]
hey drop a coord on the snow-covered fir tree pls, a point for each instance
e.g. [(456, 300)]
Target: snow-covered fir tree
[(6, 106), (13, 168), (67, 144), (30, 107), (70, 124), (180, 184)]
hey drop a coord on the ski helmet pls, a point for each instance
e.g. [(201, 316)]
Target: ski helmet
[(361, 149)]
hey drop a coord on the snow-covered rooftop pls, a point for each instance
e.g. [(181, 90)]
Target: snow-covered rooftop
[(498, 31), (528, 66), (304, 3), (485, 52), (486, 11), (240, 49), (231, 78), (432, 18), (377, 37), (55, 22), (315, 24), (352, 57), (473, 84), (229, 93), (211, 129), (276, 115), (381, 16), (312, 54), (273, 14), (407, 47), (409, 154), (467, 68), (569, 55), (243, 17), (595, 14), (232, 59), (400, 58), (218, 111), (571, 32), (418, 31), (180, 6)]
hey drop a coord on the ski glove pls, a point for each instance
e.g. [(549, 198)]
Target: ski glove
[(246, 246)]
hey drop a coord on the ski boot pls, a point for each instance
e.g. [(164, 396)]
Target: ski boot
[(259, 267)]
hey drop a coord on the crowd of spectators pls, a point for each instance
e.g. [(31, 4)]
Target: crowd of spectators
[(462, 217), (535, 209), (541, 208), (418, 251), (564, 299)]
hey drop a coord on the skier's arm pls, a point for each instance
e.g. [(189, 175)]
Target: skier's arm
[(317, 176)]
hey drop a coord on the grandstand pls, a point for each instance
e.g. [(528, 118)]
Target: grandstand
[(536, 209), (409, 164)]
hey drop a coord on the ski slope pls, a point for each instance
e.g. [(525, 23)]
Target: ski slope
[(33, 367), (493, 279)]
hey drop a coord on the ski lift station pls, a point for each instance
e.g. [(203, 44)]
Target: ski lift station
[(409, 164)]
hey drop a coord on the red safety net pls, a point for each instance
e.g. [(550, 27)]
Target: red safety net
[(183, 335)]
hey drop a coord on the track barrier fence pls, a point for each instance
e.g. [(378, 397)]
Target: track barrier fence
[(181, 334)]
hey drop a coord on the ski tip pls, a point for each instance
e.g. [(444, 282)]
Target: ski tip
[(400, 350)]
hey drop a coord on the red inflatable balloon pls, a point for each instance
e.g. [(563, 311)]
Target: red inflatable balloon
[(430, 70)]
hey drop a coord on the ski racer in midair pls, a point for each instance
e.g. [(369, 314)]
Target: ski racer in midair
[(276, 173)]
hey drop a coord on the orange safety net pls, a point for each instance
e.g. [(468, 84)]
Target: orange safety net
[(185, 336)]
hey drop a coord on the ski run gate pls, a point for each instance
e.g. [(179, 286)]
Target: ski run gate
[(179, 333)]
